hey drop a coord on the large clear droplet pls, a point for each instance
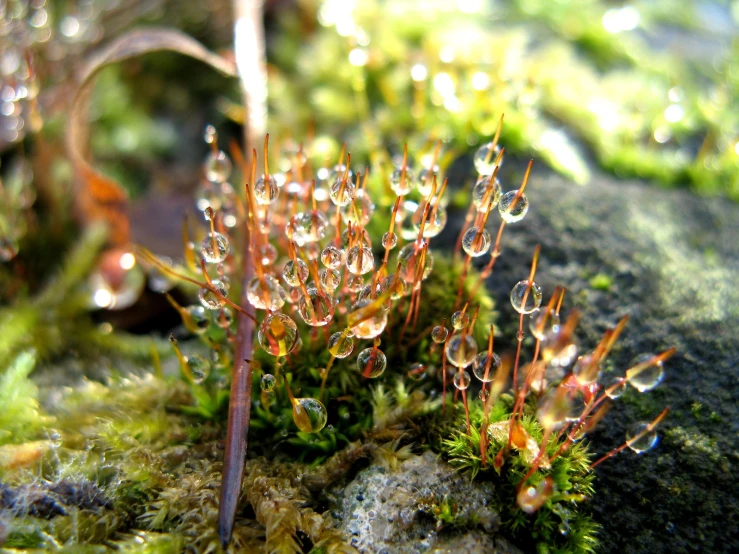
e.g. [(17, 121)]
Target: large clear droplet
[(212, 300), (460, 319), (341, 192), (543, 323), (278, 334), (360, 260), (217, 167), (461, 350), (332, 257), (435, 222), (371, 362), (646, 441), (214, 248), (476, 243), (268, 382), (316, 308), (295, 272), (389, 240), (646, 378), (425, 181), (409, 258), (266, 191), (511, 212), (372, 326), (402, 184), (461, 380), (439, 334), (117, 281), (196, 319), (330, 279), (485, 367), (265, 293), (525, 299), (199, 368), (340, 345), (485, 158), (309, 414), (308, 227), (486, 193)]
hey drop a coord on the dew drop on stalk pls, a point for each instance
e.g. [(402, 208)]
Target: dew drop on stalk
[(640, 439), (295, 272), (616, 389), (425, 181), (316, 308), (371, 362), (461, 350), (365, 209), (585, 371), (409, 258), (511, 212), (336, 174), (395, 286), (340, 345), (267, 254), (224, 317), (460, 319), (360, 260), (214, 248), (372, 326), (485, 193), (417, 371), (278, 334), (332, 257), (646, 378), (341, 193), (485, 157), (400, 184), (330, 279), (439, 334), (531, 294), (117, 281), (266, 190), (480, 366), (435, 222), (265, 293), (355, 283), (461, 380), (308, 227), (389, 240), (542, 323), (210, 300), (199, 368), (199, 322), (476, 243), (309, 414), (217, 167), (268, 382)]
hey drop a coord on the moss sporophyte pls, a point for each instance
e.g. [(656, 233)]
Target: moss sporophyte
[(316, 286)]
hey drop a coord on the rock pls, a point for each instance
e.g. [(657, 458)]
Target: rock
[(392, 511)]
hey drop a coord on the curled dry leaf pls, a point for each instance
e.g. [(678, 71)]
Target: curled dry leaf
[(98, 197)]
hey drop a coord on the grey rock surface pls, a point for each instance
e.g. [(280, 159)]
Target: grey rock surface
[(386, 511)]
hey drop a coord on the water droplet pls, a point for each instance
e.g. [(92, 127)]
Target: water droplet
[(616, 389), (543, 323), (199, 368), (585, 370), (364, 209), (461, 353), (268, 382), (476, 243), (371, 362), (309, 414), (531, 499), (531, 294), (409, 259), (295, 272), (462, 380), (267, 254), (372, 326), (224, 318), (266, 190), (217, 167), (330, 279), (417, 371), (439, 334), (210, 299), (646, 378), (435, 221), (425, 181), (389, 240), (639, 439), (278, 334), (316, 308), (360, 260), (340, 345), (402, 184), (554, 409), (460, 319), (307, 227), (214, 248), (510, 212), (332, 257), (480, 366), (341, 192), (355, 283), (486, 194), (117, 281), (485, 158), (265, 293), (197, 320)]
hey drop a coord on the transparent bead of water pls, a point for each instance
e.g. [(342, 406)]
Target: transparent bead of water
[(485, 158), (309, 414), (340, 345), (364, 209), (417, 371), (647, 378), (511, 212), (360, 260), (224, 318), (553, 410), (486, 193), (439, 334), (295, 272), (265, 293), (481, 369), (389, 240), (214, 248), (461, 350), (199, 368), (372, 326), (476, 243), (435, 221), (355, 283), (460, 319), (544, 323), (395, 286), (616, 389), (356, 236), (461, 380), (217, 167), (332, 257), (425, 181), (277, 334), (409, 258), (337, 173), (330, 279), (117, 281), (341, 193), (267, 254), (642, 443), (308, 227), (199, 319), (316, 308), (268, 382), (210, 299), (266, 190), (525, 299), (402, 184), (585, 371), (371, 362)]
